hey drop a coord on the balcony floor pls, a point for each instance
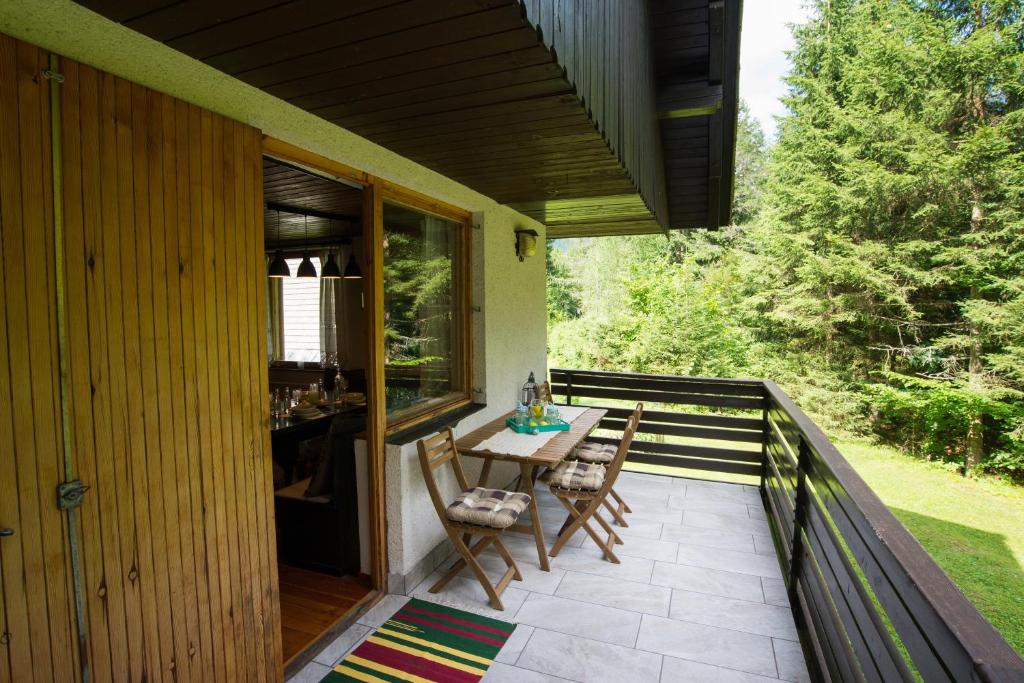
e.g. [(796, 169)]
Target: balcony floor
[(698, 596)]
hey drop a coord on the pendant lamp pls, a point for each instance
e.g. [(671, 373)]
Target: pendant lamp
[(278, 266), (352, 271), (330, 271), (306, 268)]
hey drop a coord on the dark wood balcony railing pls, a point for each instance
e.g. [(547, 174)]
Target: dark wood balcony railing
[(871, 604)]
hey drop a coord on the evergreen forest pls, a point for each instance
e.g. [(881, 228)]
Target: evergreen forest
[(875, 263)]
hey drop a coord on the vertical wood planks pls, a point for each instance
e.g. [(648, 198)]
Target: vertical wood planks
[(165, 285), (605, 51), (35, 581)]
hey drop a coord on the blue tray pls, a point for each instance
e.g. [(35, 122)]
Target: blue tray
[(559, 426)]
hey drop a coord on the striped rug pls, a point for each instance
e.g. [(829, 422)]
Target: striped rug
[(426, 642)]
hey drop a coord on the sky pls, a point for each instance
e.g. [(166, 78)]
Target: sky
[(764, 41)]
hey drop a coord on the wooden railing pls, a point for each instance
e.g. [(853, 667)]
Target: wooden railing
[(869, 601)]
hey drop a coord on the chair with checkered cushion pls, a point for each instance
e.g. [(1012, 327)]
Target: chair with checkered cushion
[(603, 454), (488, 507), (583, 487), (476, 511)]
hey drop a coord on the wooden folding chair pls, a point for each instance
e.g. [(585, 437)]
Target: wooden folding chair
[(583, 489), (604, 454), (476, 511)]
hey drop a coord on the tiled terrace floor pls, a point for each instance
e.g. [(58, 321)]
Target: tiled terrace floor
[(698, 597)]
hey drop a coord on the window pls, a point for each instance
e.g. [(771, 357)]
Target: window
[(301, 316), (425, 314)]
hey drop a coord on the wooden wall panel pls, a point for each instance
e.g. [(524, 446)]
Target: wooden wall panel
[(165, 287), (38, 633)]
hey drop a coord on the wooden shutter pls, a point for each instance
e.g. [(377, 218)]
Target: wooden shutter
[(161, 206), (38, 634)]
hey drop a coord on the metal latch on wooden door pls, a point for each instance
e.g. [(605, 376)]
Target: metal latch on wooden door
[(70, 494)]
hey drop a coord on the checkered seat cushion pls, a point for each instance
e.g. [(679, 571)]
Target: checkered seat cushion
[(577, 475), (600, 453), (488, 507)]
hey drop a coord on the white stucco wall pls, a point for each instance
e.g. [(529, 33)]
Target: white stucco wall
[(510, 325), (509, 342)]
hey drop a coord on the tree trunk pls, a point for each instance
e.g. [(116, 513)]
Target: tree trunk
[(975, 369)]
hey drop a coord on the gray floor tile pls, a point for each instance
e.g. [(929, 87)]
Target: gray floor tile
[(738, 494), (506, 673), (644, 484), (467, 594), (583, 659), (707, 644), (572, 617), (775, 592), (683, 671), (641, 498), (590, 560), (535, 579), (729, 560), (383, 610), (652, 549), (331, 654), (627, 595), (311, 673), (640, 528), (790, 659), (664, 514), (763, 545), (739, 615), (729, 507), (757, 512), (513, 647), (713, 581), (733, 523), (711, 538)]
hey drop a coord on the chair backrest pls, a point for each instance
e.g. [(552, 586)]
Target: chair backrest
[(434, 452), (615, 466)]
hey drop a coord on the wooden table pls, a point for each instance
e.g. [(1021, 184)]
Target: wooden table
[(286, 433), (549, 455)]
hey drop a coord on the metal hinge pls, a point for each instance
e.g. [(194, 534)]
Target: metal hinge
[(70, 494)]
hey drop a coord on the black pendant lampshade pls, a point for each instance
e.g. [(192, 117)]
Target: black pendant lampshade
[(279, 267), (352, 271), (330, 271), (306, 268)]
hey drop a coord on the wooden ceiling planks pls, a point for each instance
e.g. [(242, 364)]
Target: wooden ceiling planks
[(696, 54), (523, 100), (324, 209)]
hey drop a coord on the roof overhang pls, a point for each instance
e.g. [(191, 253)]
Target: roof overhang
[(547, 106)]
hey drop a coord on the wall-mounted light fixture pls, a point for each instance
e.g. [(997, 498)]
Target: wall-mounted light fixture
[(526, 243)]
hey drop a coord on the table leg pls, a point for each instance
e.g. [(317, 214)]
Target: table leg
[(526, 486)]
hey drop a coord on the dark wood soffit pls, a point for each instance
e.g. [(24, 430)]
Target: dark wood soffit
[(464, 87), (696, 45)]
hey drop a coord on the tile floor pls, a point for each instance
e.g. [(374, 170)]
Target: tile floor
[(698, 597)]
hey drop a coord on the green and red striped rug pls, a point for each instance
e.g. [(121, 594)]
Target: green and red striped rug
[(426, 642)]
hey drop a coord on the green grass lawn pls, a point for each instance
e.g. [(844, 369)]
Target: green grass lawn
[(974, 528)]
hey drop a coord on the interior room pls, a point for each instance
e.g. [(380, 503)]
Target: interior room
[(317, 352)]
